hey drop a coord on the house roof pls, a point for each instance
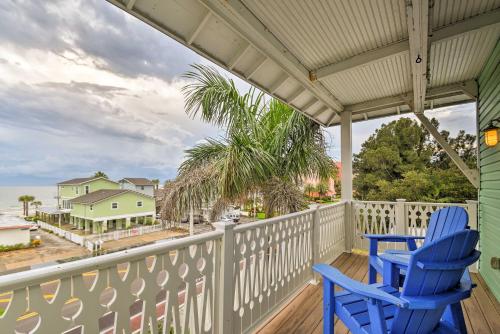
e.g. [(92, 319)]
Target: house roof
[(324, 58), (102, 194), (82, 180), (138, 181)]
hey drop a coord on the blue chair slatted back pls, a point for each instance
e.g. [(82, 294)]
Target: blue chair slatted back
[(434, 269), (445, 222)]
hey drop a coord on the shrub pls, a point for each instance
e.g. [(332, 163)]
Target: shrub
[(261, 215), (12, 247)]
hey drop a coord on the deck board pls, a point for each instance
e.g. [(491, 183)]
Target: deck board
[(304, 314)]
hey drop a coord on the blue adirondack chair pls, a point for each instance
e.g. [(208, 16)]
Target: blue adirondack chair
[(434, 282), (442, 222)]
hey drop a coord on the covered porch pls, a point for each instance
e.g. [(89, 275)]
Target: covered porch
[(304, 313)]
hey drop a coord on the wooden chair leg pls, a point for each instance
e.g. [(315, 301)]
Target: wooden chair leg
[(328, 306)]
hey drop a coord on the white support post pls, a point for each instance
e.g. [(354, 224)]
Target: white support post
[(346, 181), (400, 220), (225, 289), (191, 220), (471, 174), (315, 236), (473, 219), (472, 211)]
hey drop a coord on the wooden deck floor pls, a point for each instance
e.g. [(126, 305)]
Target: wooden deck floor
[(304, 313)]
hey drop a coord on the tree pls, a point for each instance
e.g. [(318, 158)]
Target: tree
[(156, 183), (26, 199), (36, 204), (322, 188), (100, 174), (401, 160), (309, 189), (267, 147)]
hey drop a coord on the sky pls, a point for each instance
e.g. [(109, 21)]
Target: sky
[(86, 87)]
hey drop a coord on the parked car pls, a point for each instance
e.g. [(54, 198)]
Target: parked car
[(34, 226), (197, 219), (233, 215)]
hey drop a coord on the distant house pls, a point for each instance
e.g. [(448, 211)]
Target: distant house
[(97, 204), (14, 234), (115, 209), (67, 190), (331, 183), (138, 184)]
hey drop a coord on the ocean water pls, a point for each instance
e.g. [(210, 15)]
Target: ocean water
[(9, 204)]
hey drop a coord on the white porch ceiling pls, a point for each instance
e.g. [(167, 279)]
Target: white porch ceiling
[(325, 56)]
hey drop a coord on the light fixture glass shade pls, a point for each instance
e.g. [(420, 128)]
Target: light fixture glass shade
[(491, 136)]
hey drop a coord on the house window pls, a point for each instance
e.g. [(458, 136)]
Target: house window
[(76, 189), (86, 189), (142, 187), (139, 204), (91, 208), (114, 205)]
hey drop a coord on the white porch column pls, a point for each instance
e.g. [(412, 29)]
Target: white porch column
[(346, 154), (127, 222), (346, 180)]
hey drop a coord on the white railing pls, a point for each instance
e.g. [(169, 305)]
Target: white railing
[(398, 217), (131, 232), (226, 281), (73, 237)]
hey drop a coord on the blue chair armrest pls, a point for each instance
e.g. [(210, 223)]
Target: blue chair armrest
[(392, 237), (365, 290), (399, 259)]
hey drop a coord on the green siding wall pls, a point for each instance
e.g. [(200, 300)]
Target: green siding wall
[(489, 194), (69, 191), (127, 204)]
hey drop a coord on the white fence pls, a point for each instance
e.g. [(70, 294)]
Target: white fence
[(401, 217), (225, 281), (77, 239), (131, 232)]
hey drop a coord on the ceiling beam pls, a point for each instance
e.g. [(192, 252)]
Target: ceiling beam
[(458, 28), (244, 22), (471, 174), (417, 17), (460, 88), (130, 4), (198, 29)]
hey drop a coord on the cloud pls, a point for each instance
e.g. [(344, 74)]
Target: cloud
[(97, 90), (119, 42)]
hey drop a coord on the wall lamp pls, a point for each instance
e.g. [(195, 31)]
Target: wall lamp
[(491, 135)]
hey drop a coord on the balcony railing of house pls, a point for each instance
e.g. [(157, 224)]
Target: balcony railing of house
[(226, 281)]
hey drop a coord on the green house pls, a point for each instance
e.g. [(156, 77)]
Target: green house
[(70, 189), (115, 209)]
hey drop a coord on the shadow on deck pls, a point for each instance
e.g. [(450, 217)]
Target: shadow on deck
[(304, 314)]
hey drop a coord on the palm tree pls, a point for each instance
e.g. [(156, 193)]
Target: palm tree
[(308, 189), (26, 199), (36, 204), (267, 148), (100, 174), (322, 188)]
